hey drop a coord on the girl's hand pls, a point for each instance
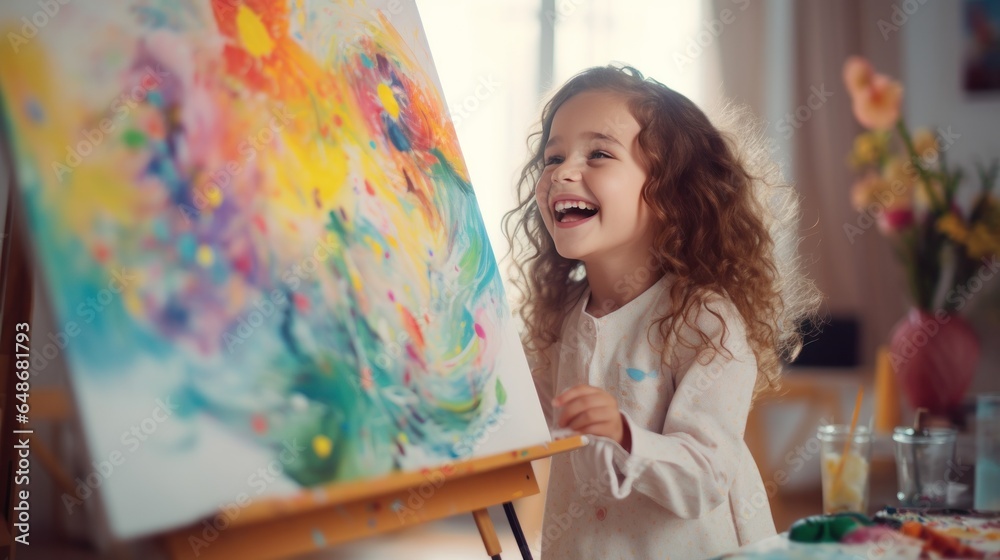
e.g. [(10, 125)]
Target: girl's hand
[(589, 410)]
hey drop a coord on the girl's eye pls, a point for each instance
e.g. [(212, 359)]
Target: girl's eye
[(553, 160), (599, 154)]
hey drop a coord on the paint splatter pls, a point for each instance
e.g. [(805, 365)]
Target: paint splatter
[(318, 539)]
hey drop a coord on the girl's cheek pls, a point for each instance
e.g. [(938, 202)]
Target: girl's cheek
[(542, 193)]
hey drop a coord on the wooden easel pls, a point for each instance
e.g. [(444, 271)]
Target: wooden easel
[(345, 512), (277, 528)]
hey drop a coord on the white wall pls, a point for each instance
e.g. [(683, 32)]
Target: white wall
[(933, 45)]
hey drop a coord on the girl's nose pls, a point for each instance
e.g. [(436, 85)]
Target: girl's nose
[(566, 171)]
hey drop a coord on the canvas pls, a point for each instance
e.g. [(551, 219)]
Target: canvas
[(261, 248)]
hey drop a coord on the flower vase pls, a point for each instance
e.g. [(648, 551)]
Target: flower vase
[(935, 358)]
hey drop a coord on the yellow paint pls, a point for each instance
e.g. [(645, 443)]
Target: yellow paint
[(403, 439), (253, 34), (388, 100), (322, 446), (132, 303), (204, 256), (214, 196), (329, 167)]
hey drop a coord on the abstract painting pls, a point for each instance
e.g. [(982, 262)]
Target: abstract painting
[(981, 48), (261, 249)]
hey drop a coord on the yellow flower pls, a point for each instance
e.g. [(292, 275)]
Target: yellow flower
[(952, 225), (926, 145), (981, 242), (868, 148), (901, 176), (871, 188)]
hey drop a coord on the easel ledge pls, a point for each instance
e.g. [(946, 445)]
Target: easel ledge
[(323, 517)]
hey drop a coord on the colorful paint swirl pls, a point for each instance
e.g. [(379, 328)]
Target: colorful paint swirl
[(259, 209)]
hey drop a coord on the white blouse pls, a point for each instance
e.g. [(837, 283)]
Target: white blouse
[(689, 488)]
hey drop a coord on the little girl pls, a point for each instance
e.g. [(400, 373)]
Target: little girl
[(655, 308)]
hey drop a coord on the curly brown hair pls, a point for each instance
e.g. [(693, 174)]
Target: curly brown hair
[(716, 228)]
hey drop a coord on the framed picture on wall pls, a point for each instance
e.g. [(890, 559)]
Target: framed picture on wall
[(981, 52)]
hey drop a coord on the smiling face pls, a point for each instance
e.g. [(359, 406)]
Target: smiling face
[(590, 191)]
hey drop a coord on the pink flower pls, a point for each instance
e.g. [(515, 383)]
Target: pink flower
[(875, 98), (877, 108), (894, 220), (858, 74)]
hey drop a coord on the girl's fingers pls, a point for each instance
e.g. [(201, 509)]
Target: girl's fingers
[(591, 416), (579, 405), (574, 393)]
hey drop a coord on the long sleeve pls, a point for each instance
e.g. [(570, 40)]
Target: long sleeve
[(542, 368), (690, 465)]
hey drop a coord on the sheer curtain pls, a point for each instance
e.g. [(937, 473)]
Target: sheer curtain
[(800, 51)]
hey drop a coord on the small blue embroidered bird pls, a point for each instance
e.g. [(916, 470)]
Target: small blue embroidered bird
[(639, 375)]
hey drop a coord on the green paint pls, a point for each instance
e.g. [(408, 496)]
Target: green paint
[(501, 393)]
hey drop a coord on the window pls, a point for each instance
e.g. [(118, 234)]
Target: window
[(489, 54)]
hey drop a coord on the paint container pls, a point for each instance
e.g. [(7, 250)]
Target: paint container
[(925, 465)]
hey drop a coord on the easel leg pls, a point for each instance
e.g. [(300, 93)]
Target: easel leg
[(488, 532), (515, 526)]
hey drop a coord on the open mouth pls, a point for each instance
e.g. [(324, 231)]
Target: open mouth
[(569, 211)]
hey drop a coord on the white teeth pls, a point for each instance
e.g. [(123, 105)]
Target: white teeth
[(564, 205)]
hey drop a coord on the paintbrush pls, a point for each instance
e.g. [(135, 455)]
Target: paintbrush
[(847, 444)]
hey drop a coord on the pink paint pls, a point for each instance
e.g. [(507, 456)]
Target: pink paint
[(243, 263), (301, 302), (258, 221), (392, 296), (480, 331), (258, 423)]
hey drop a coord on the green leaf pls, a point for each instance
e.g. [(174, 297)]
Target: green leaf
[(501, 393)]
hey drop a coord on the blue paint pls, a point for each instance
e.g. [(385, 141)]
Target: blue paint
[(155, 98), (396, 135), (318, 538), (160, 230), (34, 110), (187, 245), (367, 61)]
